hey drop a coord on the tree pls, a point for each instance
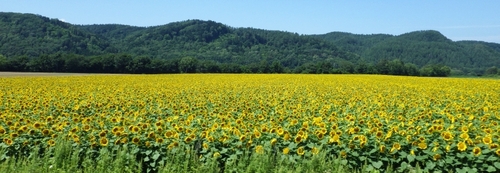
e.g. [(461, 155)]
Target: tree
[(276, 67), (411, 69), (188, 65), (491, 71), (396, 67), (3, 63)]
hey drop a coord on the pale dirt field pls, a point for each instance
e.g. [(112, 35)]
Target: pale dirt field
[(20, 74)]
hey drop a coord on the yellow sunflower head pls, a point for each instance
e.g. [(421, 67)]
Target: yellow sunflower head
[(476, 151), (487, 140), (259, 149), (462, 146), (286, 150), (104, 141), (301, 151)]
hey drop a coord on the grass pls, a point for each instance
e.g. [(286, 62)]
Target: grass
[(63, 158)]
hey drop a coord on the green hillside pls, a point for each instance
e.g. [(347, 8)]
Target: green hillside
[(33, 35), (420, 48), (31, 42)]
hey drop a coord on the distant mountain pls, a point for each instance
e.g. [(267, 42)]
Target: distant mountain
[(209, 40), (420, 48), (212, 42), (32, 35)]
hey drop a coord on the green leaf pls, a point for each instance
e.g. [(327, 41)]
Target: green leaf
[(369, 168), (403, 154), (461, 170), (148, 152), (450, 159), (344, 162), (156, 156), (362, 158), (292, 145), (497, 165), (355, 154), (491, 169), (430, 165), (410, 158), (421, 158), (492, 158), (403, 166), (223, 151), (378, 164), (146, 159)]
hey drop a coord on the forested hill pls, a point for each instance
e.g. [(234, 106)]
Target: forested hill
[(31, 42), (209, 40), (33, 35), (420, 48)]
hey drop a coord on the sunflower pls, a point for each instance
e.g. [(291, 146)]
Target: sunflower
[(286, 136), (298, 139), (497, 152), (476, 151), (173, 145), (102, 133), (447, 136), (136, 140), (14, 135), (315, 150), (422, 145), (436, 157), (86, 127), (216, 155), (159, 140), (259, 149), (464, 135), (8, 141), (280, 131), (396, 146), (334, 139), (381, 148), (274, 141), (462, 146), (168, 134), (2, 130), (135, 129), (37, 125), (487, 140), (151, 135), (493, 146), (51, 142), (104, 141), (187, 140), (124, 140), (286, 150), (343, 154), (300, 151), (379, 134), (256, 133)]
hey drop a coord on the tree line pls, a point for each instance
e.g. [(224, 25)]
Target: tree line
[(126, 63)]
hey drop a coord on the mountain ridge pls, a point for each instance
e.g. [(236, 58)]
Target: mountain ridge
[(33, 35)]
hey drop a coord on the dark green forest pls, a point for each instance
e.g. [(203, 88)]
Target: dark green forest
[(31, 42)]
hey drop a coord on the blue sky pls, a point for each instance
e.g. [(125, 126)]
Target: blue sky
[(456, 19)]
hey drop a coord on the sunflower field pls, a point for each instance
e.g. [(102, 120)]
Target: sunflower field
[(365, 122)]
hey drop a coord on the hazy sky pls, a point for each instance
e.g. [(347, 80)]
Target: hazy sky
[(456, 19)]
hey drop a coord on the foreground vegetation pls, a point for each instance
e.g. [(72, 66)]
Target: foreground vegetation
[(253, 123)]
